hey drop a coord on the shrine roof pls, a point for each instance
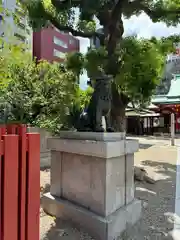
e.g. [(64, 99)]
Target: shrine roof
[(174, 90), (165, 100)]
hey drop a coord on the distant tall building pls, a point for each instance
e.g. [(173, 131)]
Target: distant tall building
[(173, 62), (52, 45), (172, 67), (11, 30)]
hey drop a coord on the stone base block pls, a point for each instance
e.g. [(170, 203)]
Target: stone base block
[(101, 228)]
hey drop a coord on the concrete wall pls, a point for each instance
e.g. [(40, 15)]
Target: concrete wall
[(45, 153)]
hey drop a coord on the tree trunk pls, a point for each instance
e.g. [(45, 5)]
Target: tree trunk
[(118, 111), (119, 104), (119, 119)]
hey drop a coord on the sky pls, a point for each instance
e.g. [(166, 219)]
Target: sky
[(142, 26)]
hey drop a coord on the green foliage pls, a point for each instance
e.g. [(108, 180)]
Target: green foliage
[(42, 11), (95, 61), (9, 55), (135, 64), (37, 94), (86, 26), (75, 62), (81, 101), (140, 68), (132, 74), (83, 98)]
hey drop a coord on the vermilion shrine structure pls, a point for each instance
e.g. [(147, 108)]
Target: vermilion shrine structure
[(170, 103), (19, 183)]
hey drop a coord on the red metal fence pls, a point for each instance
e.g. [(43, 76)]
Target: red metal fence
[(19, 183)]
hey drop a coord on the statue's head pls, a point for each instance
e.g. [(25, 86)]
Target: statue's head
[(101, 80), (102, 83)]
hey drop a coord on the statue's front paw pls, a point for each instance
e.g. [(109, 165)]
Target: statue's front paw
[(110, 129), (99, 129)]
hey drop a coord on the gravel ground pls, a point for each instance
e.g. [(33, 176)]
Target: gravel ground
[(158, 199)]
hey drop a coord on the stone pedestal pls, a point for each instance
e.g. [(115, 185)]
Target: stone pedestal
[(92, 182)]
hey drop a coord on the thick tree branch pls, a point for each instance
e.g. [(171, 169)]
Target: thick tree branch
[(70, 29), (104, 16), (54, 21), (58, 4), (138, 5), (115, 27), (105, 11), (63, 4), (153, 13), (160, 13)]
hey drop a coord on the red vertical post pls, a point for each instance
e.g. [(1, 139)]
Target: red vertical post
[(1, 182), (176, 122), (3, 130), (10, 190), (22, 180), (33, 186)]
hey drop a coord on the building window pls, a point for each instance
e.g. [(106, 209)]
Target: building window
[(21, 25), (20, 37), (59, 54), (59, 42)]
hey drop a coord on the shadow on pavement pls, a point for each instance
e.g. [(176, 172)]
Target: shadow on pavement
[(145, 145), (159, 203), (65, 230)]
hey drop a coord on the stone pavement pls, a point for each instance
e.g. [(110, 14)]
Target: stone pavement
[(159, 159), (156, 140)]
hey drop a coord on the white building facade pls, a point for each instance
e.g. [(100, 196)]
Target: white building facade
[(172, 67), (12, 30)]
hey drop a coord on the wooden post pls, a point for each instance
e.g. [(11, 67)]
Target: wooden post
[(2, 132), (22, 182), (10, 188), (19, 183), (172, 130), (33, 187)]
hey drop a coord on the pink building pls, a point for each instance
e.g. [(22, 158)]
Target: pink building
[(52, 45)]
